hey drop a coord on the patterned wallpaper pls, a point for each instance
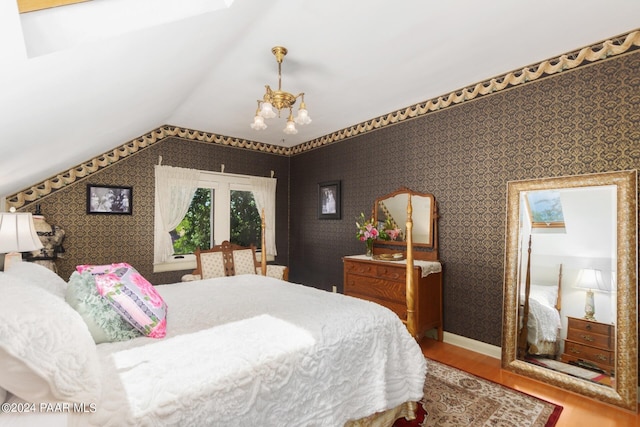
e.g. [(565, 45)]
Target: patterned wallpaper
[(100, 239), (582, 121)]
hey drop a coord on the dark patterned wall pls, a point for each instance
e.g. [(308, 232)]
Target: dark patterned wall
[(99, 239), (582, 121)]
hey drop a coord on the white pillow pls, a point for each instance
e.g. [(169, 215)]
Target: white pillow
[(46, 351), (40, 276), (547, 295)]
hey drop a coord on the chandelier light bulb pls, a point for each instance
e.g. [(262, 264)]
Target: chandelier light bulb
[(303, 116), (290, 128), (267, 110), (258, 123)]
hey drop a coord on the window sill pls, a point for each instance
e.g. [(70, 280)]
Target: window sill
[(188, 262), (184, 262)]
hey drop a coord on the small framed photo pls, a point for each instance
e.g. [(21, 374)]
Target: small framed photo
[(109, 199), (329, 200)]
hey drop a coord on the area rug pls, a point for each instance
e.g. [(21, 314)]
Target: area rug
[(454, 398), (573, 370)]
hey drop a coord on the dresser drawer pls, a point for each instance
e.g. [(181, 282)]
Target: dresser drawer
[(396, 273), (594, 334), (590, 339), (593, 327), (586, 352), (375, 287)]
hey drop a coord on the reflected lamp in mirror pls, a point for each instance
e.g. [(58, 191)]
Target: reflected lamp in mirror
[(591, 280), (17, 234)]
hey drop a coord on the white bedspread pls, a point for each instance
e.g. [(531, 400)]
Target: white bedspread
[(256, 351), (544, 322)]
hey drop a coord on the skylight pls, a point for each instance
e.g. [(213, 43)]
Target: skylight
[(545, 209), (58, 28)]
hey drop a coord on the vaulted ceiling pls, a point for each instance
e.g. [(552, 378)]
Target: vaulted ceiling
[(79, 80)]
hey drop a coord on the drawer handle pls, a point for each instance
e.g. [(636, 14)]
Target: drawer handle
[(601, 357), (587, 327), (574, 350), (587, 338)]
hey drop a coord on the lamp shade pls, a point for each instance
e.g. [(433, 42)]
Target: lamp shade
[(290, 128), (17, 233), (592, 279), (267, 110)]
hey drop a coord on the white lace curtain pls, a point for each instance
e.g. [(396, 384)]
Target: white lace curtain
[(175, 188), (264, 193)]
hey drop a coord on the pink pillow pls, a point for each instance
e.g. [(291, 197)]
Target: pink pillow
[(132, 296)]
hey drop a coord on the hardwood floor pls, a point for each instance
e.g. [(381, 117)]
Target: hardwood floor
[(578, 411)]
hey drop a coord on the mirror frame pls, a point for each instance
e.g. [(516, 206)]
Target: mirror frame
[(432, 219), (625, 392)]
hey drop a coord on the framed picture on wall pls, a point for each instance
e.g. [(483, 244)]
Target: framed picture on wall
[(109, 199), (329, 200)]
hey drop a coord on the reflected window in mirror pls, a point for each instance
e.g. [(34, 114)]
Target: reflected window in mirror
[(544, 209)]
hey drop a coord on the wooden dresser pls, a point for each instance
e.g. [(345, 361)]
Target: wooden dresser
[(590, 343), (384, 282)]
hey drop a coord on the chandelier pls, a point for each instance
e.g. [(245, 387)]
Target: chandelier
[(279, 100)]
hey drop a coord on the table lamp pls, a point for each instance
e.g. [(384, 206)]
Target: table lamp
[(17, 234), (591, 279)]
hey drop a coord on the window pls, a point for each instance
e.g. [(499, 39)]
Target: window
[(545, 208), (245, 219), (194, 231), (223, 207)]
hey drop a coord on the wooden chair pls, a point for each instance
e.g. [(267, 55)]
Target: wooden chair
[(229, 259)]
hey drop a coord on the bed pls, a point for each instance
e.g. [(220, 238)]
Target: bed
[(242, 350), (540, 324)]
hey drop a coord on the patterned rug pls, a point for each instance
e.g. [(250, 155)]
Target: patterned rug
[(454, 398), (573, 370)]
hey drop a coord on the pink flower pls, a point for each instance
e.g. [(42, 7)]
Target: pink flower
[(160, 330), (393, 234), (366, 229), (147, 289)]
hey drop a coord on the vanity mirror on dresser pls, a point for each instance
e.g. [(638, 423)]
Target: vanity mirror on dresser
[(405, 274)]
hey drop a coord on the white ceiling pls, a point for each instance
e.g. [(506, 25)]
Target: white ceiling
[(80, 80)]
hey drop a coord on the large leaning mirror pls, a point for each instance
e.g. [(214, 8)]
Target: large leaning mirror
[(390, 213), (570, 303)]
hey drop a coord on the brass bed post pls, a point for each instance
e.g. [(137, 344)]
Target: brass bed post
[(411, 303), (263, 257)]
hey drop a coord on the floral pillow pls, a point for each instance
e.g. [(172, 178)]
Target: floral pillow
[(104, 323), (132, 296)]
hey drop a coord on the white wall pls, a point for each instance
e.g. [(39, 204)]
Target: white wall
[(12, 47)]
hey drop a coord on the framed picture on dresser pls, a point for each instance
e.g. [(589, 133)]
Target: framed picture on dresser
[(329, 200), (109, 199)]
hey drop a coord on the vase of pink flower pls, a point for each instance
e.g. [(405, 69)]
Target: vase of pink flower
[(367, 232)]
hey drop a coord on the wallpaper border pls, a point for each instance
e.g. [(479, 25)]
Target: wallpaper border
[(585, 56)]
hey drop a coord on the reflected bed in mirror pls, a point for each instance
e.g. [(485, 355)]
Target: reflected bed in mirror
[(570, 314)]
